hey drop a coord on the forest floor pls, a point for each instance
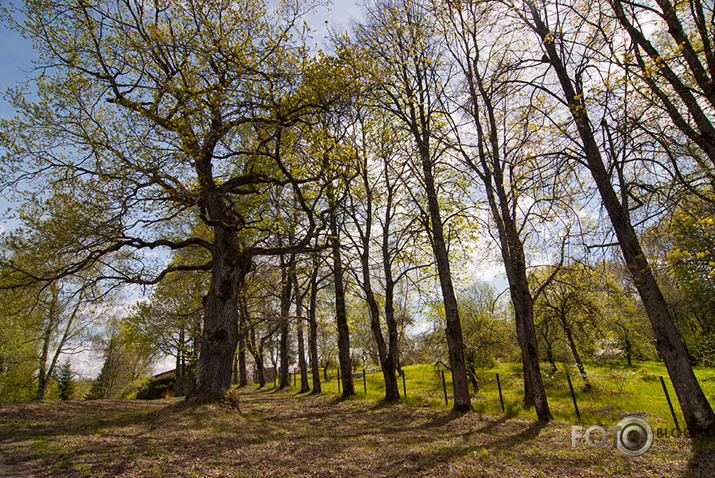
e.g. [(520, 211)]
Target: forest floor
[(282, 434)]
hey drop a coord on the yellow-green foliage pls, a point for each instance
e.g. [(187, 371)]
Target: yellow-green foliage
[(18, 352), (231, 399)]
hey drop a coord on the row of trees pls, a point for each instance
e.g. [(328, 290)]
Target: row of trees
[(208, 130)]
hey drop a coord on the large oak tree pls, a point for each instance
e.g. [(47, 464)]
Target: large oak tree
[(155, 117)]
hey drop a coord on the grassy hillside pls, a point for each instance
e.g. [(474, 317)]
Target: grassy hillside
[(281, 434), (284, 434), (616, 391)]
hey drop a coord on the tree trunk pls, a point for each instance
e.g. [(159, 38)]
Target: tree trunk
[(389, 366), (576, 355), (391, 362), (43, 377), (44, 373), (242, 371), (220, 334), (388, 371), (261, 365), (512, 250), (534, 391), (257, 353), (453, 330), (313, 329), (697, 412), (341, 313), (473, 378), (242, 337), (511, 245), (179, 384), (286, 289), (550, 356), (302, 364)]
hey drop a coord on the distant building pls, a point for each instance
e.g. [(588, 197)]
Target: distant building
[(165, 374)]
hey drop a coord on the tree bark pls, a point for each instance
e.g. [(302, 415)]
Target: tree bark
[(697, 412), (453, 330), (286, 289), (313, 329), (341, 312), (302, 364), (220, 333)]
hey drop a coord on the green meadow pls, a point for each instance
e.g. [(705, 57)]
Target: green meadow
[(616, 390)]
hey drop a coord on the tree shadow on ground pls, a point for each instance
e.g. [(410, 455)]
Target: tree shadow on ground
[(444, 419), (383, 405), (528, 434), (287, 435), (702, 463)]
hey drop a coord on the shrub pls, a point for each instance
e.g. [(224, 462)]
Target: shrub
[(645, 375), (231, 399), (161, 387)]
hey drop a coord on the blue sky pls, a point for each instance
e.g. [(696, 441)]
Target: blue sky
[(17, 55)]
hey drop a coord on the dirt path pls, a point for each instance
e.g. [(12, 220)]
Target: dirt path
[(284, 435)]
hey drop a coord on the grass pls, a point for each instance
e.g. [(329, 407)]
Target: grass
[(617, 390), (284, 434), (281, 433)]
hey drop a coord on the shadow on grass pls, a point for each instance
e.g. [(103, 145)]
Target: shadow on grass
[(383, 405), (702, 464), (489, 427), (528, 434), (443, 419)]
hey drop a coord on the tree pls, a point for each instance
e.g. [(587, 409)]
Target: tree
[(384, 230), (363, 223), (332, 134), (624, 316), (486, 328), (169, 323), (682, 243), (569, 72), (300, 336), (66, 382), (123, 363), (673, 56), (287, 267), (525, 189), (399, 45), (19, 348), (152, 117), (317, 281), (572, 301), (65, 308)]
